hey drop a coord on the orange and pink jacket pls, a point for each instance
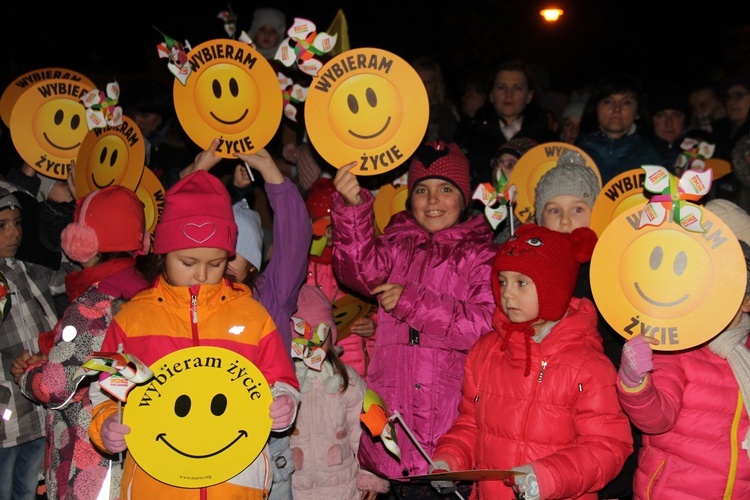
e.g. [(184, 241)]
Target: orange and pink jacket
[(161, 320)]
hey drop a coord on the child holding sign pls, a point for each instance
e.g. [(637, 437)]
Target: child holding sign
[(430, 271), (192, 304), (692, 405), (538, 394), (326, 436)]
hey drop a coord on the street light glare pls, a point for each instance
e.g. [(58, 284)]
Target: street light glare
[(551, 15)]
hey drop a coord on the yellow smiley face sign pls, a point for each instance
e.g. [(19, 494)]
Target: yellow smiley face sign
[(390, 200), (619, 195), (536, 162), (111, 156), (677, 286), (366, 105), (232, 93), (18, 86), (201, 420), (48, 125)]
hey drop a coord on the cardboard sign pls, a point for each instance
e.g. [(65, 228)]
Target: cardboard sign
[(201, 420), (678, 286), (48, 125), (347, 310), (366, 105), (536, 162), (389, 201), (111, 156), (151, 193), (231, 93)]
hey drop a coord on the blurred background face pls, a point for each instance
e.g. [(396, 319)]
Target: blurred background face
[(10, 232), (737, 102), (266, 37), (430, 83), (510, 94), (704, 102), (149, 123), (617, 113), (505, 163), (570, 127), (669, 124)]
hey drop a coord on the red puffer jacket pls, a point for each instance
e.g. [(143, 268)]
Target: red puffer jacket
[(564, 418)]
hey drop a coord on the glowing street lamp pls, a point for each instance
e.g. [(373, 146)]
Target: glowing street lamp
[(551, 15)]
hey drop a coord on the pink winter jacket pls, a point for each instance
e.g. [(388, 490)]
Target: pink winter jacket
[(421, 345), (694, 422), (563, 418), (326, 436)]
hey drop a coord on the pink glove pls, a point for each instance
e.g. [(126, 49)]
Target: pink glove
[(636, 362), (282, 412), (113, 434)]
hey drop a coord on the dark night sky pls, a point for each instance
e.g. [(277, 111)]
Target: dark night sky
[(110, 41)]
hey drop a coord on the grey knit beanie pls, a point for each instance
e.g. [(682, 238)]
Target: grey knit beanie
[(570, 177)]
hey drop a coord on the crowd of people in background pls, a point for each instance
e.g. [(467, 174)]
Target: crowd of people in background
[(464, 328)]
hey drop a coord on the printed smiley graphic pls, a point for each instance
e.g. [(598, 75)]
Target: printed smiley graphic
[(366, 105), (111, 156), (48, 125), (668, 280), (232, 93), (201, 420), (347, 310), (678, 286)]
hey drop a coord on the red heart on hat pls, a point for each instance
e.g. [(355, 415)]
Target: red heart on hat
[(199, 233)]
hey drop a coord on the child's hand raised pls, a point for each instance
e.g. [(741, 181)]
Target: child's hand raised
[(390, 293), (347, 184), (263, 162)]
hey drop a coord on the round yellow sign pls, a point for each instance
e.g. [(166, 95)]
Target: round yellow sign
[(48, 125), (232, 93), (201, 420), (621, 193), (366, 105), (111, 156), (20, 84), (678, 286), (534, 163)]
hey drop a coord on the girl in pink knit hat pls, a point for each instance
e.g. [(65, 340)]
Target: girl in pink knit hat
[(430, 272)]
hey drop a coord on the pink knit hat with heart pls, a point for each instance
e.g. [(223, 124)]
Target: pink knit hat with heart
[(197, 214), (442, 161)]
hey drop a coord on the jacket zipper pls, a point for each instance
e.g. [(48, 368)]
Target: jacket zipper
[(194, 308), (541, 372)]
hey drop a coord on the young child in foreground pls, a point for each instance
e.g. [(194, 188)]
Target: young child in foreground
[(538, 393), (191, 304)]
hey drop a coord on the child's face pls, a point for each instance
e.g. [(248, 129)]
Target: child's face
[(266, 37), (518, 298), (195, 266), (505, 163), (436, 204), (566, 213), (10, 232)]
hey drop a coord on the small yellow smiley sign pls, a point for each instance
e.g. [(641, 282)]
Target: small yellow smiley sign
[(111, 156), (677, 286), (366, 105), (201, 420), (48, 125), (536, 162), (233, 94)]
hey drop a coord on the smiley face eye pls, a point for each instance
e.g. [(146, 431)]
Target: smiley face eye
[(218, 404), (182, 405), (680, 263), (657, 255)]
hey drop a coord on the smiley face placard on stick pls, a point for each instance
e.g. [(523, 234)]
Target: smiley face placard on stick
[(201, 420), (680, 287), (366, 105)]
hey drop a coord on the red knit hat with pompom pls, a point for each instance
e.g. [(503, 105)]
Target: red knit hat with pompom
[(318, 199)]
